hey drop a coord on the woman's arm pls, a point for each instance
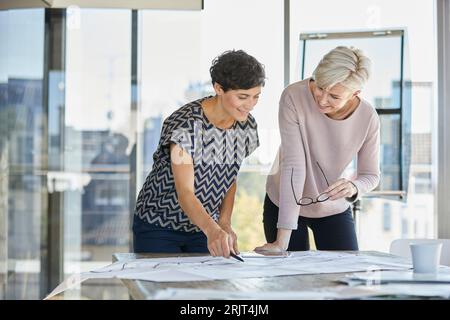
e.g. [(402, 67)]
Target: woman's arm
[(368, 165), (226, 210), (280, 244), (183, 173)]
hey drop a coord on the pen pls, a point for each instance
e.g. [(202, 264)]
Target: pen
[(236, 257)]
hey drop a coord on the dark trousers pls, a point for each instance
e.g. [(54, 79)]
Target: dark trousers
[(336, 232), (151, 238)]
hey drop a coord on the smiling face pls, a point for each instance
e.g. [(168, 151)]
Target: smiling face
[(238, 103), (332, 100)]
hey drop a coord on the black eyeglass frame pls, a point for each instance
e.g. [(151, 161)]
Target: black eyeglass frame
[(309, 199)]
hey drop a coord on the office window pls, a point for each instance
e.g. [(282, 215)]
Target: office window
[(96, 142), (176, 51), (405, 228), (22, 182), (419, 78), (387, 217), (92, 135)]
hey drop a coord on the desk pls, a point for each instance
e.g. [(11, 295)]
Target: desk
[(140, 290)]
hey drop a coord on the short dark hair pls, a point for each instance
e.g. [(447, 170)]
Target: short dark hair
[(235, 69)]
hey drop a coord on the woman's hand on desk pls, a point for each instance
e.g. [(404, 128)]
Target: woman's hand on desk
[(279, 245), (272, 247)]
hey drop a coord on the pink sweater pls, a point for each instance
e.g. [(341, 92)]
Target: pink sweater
[(309, 137)]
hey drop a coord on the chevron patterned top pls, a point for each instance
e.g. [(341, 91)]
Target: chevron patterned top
[(217, 155)]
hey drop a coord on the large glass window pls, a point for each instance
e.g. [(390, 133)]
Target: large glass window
[(381, 220), (176, 51), (73, 156), (22, 179), (96, 142)]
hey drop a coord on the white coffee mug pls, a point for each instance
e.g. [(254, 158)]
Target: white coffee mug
[(426, 256)]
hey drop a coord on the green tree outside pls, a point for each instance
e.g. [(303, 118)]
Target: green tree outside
[(248, 208)]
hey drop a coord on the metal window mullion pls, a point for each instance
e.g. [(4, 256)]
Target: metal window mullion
[(401, 187), (52, 240), (133, 123), (303, 59), (44, 275)]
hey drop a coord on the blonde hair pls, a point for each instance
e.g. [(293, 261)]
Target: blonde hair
[(347, 66)]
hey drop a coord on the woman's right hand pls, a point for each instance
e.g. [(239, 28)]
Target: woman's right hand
[(218, 242)]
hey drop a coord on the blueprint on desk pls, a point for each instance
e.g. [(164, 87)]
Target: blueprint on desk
[(200, 268)]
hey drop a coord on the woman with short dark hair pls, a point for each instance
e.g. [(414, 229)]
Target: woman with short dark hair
[(186, 202)]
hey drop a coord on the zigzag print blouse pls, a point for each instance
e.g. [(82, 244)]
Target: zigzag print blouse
[(217, 155)]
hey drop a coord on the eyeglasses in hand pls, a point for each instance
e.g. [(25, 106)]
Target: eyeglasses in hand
[(306, 201)]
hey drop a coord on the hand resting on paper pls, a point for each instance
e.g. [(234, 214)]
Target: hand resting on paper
[(270, 247), (279, 245)]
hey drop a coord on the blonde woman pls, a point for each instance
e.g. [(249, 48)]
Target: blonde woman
[(324, 124)]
